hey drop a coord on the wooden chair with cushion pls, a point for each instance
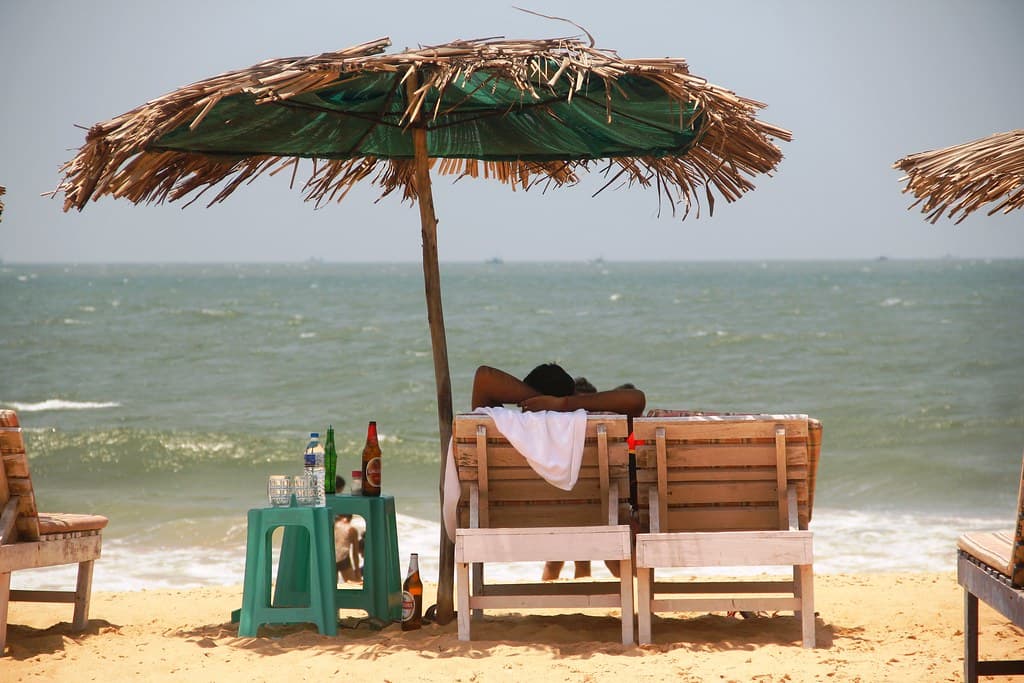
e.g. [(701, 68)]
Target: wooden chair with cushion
[(30, 539), (990, 566), (726, 491), (508, 513)]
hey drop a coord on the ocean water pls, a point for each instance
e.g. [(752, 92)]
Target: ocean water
[(164, 395)]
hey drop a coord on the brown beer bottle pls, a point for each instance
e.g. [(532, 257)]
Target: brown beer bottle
[(412, 596), (371, 462)]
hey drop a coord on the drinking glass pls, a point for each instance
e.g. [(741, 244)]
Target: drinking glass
[(279, 490), (305, 490)]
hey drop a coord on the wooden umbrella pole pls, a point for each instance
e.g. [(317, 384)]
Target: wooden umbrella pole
[(439, 345)]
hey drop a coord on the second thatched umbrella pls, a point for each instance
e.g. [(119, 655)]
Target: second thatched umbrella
[(522, 112), (963, 178)]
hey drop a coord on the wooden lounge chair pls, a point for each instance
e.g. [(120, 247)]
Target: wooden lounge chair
[(726, 491), (31, 539), (508, 513), (990, 566)]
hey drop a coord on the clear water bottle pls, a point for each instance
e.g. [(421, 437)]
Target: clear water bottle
[(313, 460)]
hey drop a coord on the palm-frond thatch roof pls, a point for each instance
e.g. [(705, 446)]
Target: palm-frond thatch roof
[(124, 157), (963, 178)]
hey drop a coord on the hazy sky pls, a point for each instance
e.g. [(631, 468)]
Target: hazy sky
[(860, 84)]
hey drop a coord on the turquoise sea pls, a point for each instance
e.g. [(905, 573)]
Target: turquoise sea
[(164, 395)]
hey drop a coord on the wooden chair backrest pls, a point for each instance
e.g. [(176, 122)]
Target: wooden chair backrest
[(727, 473), (15, 479), (512, 494)]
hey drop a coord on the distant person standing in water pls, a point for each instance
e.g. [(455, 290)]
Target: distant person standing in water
[(348, 544)]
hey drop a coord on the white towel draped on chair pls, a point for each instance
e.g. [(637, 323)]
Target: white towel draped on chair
[(552, 442)]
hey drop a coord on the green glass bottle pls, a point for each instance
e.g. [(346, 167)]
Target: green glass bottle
[(330, 461)]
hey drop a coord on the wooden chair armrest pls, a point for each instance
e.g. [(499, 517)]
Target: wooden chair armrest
[(794, 511), (474, 505), (654, 512), (7, 519), (613, 504)]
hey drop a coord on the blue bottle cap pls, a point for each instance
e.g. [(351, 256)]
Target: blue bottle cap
[(314, 435)]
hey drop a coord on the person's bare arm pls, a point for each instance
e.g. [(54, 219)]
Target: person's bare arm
[(493, 387), (629, 402)]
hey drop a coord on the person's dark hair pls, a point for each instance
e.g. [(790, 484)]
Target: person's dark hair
[(551, 380)]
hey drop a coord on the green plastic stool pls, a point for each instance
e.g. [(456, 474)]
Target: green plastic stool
[(381, 592), (317, 565)]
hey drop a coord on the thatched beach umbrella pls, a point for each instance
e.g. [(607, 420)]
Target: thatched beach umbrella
[(963, 178), (520, 112)]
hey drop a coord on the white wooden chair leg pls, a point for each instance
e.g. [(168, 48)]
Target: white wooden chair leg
[(462, 606), (83, 591), (643, 599), (626, 593), (797, 590), (478, 586), (5, 599), (806, 589)]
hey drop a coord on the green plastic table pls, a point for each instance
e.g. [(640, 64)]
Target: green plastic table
[(317, 606), (300, 592), (381, 592)]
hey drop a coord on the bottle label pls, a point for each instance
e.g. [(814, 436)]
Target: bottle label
[(408, 605), (373, 472)]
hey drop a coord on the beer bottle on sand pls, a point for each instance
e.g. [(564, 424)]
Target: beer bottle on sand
[(412, 596), (371, 462)]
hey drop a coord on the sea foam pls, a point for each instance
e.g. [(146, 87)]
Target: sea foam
[(54, 404)]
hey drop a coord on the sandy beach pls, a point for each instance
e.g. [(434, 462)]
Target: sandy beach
[(871, 627)]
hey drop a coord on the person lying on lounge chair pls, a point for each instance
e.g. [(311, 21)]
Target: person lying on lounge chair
[(550, 387)]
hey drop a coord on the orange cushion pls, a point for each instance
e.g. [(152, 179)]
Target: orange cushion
[(62, 522)]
